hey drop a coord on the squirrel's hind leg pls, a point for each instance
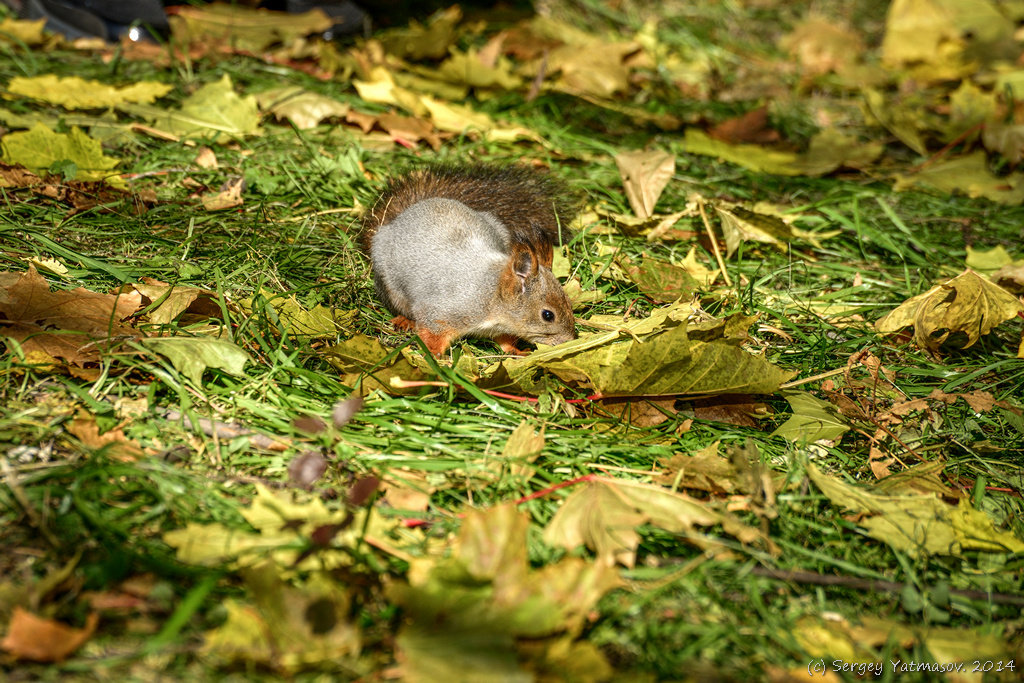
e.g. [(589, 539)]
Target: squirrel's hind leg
[(437, 342), (402, 323)]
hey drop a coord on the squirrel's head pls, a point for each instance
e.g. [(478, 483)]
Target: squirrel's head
[(532, 302)]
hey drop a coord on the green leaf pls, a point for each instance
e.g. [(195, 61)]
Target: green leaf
[(812, 420), (192, 355), (215, 110), (39, 148)]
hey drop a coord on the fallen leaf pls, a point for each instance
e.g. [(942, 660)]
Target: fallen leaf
[(228, 197), (821, 45), (704, 470), (73, 325), (176, 301), (662, 281), (44, 640), (970, 175), (812, 420), (243, 28), (302, 107), (920, 525), (15, 176), (968, 304), (113, 442), (72, 92), (666, 363), (39, 148), (192, 355), (213, 111), (749, 127), (644, 177), (206, 158), (306, 468), (604, 515), (287, 314), (988, 261), (424, 41), (288, 627), (465, 615), (27, 31)]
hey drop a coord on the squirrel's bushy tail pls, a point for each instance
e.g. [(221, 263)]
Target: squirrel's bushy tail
[(533, 205)]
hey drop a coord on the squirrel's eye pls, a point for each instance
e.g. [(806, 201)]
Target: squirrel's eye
[(548, 316)]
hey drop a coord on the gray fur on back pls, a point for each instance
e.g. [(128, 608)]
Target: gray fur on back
[(438, 260)]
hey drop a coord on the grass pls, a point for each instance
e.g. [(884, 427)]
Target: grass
[(75, 519)]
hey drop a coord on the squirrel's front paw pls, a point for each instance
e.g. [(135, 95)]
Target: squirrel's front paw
[(508, 344)]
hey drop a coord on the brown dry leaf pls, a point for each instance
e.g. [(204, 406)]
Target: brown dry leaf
[(409, 129), (979, 401), (1010, 277), (750, 127), (113, 441), (65, 325), (44, 640), (228, 197), (736, 409), (205, 158), (13, 175), (306, 468), (641, 413), (878, 460), (644, 177)]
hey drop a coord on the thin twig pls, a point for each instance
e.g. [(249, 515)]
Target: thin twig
[(714, 243)]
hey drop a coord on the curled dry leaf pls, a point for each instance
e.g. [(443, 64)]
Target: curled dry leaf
[(968, 303), (228, 197), (644, 177)]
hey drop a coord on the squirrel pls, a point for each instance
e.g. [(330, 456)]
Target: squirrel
[(466, 251)]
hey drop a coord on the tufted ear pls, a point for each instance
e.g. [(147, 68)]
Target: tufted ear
[(520, 269)]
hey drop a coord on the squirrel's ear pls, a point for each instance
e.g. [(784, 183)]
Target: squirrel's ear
[(522, 266), (524, 262)]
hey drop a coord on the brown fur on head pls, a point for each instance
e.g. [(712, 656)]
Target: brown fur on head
[(531, 303)]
